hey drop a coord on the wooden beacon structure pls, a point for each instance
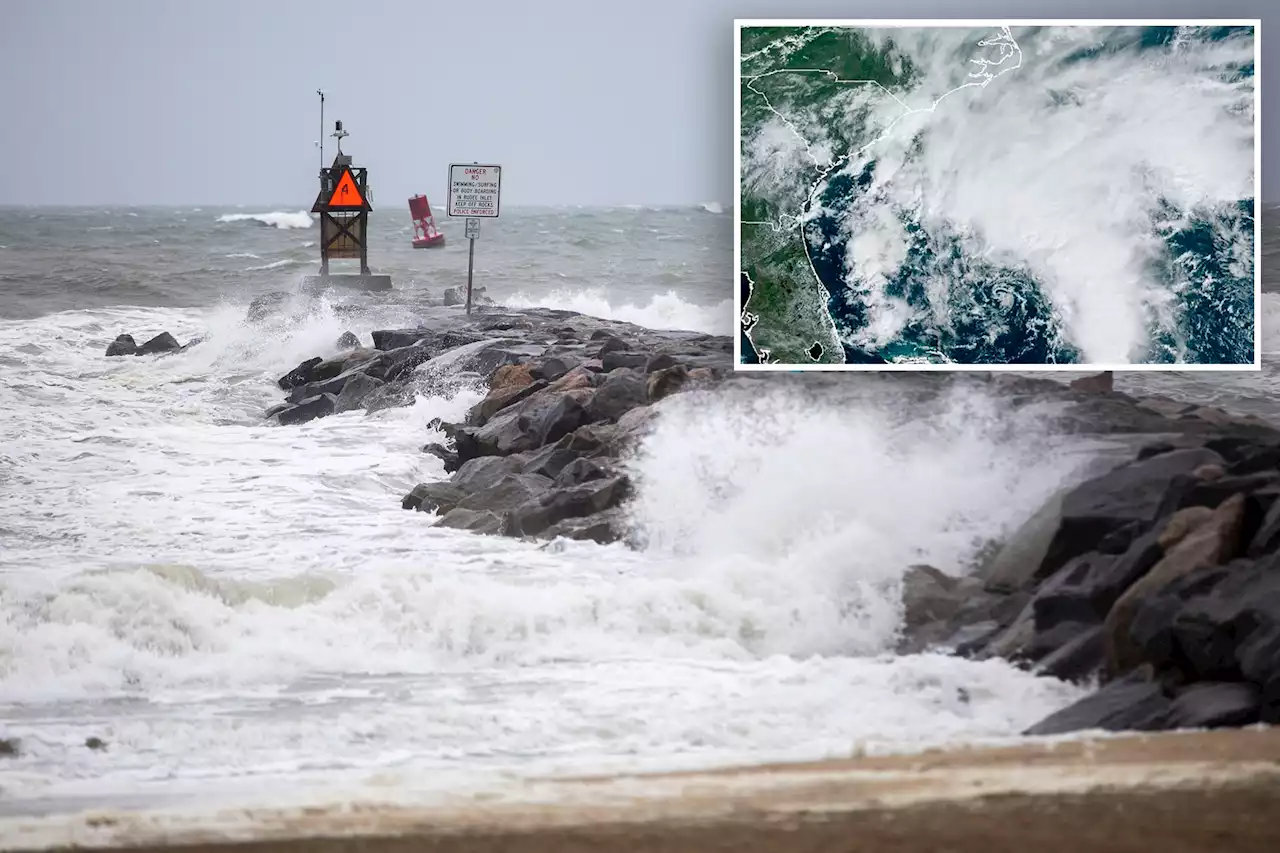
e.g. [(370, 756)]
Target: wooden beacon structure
[(343, 205)]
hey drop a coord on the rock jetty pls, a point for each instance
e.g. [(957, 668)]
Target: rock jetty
[(1157, 580)]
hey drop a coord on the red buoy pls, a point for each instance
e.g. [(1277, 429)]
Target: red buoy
[(425, 233)]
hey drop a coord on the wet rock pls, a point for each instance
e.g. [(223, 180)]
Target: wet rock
[(10, 747), (433, 497), (620, 392), (535, 516), (266, 305), (549, 461), (319, 406), (1133, 703), (390, 395), (578, 471), (348, 340), (1086, 588), (1216, 624), (1102, 383), (611, 344), (661, 361), (95, 743), (611, 361), (390, 339), (475, 521), (539, 420), (603, 528), (454, 296), (163, 342), (507, 493), (301, 375), (1078, 659), (1019, 560), (553, 368), (122, 345), (1213, 705), (1213, 542), (444, 454), (928, 595), (1130, 493), (499, 399), (503, 353), (355, 391), (512, 376), (485, 471)]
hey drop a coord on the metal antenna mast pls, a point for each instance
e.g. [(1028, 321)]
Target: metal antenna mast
[(320, 92)]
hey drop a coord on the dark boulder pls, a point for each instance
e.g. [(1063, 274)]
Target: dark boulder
[(301, 375), (1085, 589), (499, 399), (390, 395), (348, 340), (1213, 705), (433, 497), (611, 361), (1207, 541), (535, 516), (611, 344), (541, 419), (602, 528), (660, 361), (506, 494), (482, 472), (620, 392), (389, 339), (578, 471), (444, 454), (163, 342), (355, 391), (1133, 703), (1078, 659), (475, 521), (319, 406), (548, 461), (454, 296), (122, 345), (553, 368)]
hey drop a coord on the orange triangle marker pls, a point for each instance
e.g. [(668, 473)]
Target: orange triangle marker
[(346, 193)]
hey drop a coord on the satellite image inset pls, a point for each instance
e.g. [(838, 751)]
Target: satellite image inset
[(1032, 195)]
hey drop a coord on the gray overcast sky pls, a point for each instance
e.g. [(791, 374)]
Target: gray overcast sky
[(582, 101)]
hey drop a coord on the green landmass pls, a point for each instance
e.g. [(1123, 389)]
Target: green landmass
[(786, 297), (831, 117)]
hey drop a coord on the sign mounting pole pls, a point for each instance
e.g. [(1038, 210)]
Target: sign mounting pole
[(474, 193)]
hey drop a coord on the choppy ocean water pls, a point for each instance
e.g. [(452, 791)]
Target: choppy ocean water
[(226, 603)]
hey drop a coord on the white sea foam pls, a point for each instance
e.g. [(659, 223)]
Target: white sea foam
[(284, 220), (275, 265), (712, 207), (267, 607), (663, 311)]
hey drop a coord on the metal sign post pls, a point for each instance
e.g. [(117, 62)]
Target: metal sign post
[(473, 231), (474, 192)]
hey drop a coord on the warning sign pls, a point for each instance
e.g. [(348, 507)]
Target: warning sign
[(474, 190), (346, 194)]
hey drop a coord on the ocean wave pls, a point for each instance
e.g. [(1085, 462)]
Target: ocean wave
[(712, 207), (284, 220), (274, 265), (663, 311)]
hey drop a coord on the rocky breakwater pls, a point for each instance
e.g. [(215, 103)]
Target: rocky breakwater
[(540, 455), (1156, 580), (1156, 583)]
